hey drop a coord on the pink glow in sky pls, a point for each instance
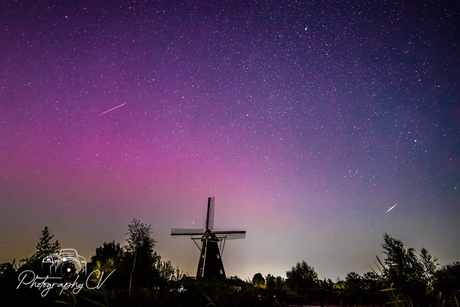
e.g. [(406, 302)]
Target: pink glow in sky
[(305, 120)]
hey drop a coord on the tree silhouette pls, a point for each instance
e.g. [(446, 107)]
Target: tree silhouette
[(302, 276), (107, 251), (167, 275), (447, 282), (354, 281), (270, 281), (258, 280), (402, 264), (140, 253), (8, 277), (429, 265), (409, 273), (108, 259), (44, 248), (371, 281)]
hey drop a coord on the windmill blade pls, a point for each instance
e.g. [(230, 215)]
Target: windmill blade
[(231, 235), (229, 231), (235, 236), (186, 232), (210, 214)]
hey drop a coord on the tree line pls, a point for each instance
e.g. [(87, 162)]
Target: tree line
[(135, 275)]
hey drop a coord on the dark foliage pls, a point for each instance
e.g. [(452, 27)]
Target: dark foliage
[(410, 274), (108, 251), (302, 276), (136, 276), (44, 248), (258, 280), (140, 255), (446, 282)]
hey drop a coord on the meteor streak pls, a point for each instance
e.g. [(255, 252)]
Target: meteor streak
[(391, 208), (112, 109)]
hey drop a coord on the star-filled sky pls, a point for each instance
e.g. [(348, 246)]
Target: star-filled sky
[(307, 120)]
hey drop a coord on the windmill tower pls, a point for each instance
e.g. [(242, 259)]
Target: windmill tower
[(210, 263)]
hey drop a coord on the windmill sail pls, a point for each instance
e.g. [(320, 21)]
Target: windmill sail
[(186, 232), (230, 235), (210, 213)]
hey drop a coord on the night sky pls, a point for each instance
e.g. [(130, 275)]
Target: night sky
[(307, 120)]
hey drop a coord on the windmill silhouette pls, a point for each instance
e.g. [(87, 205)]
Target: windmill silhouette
[(210, 263)]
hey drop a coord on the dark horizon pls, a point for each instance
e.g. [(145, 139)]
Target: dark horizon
[(139, 275), (308, 121)]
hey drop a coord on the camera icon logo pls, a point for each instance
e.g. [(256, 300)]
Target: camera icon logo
[(67, 263)]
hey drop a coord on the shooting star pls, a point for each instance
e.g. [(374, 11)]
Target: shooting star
[(391, 208), (112, 109)]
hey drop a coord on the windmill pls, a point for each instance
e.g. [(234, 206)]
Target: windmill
[(210, 263)]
